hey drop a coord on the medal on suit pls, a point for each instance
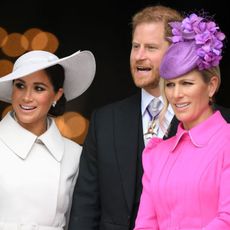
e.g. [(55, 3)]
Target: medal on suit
[(152, 130)]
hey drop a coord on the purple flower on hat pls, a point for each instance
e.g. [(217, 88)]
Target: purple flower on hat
[(206, 36)]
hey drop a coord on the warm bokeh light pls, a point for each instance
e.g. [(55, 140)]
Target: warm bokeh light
[(15, 45), (71, 125), (30, 34), (5, 67), (3, 36), (40, 41), (45, 41)]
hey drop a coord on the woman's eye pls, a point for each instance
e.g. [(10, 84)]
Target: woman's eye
[(169, 84), (187, 83), (19, 85), (39, 88)]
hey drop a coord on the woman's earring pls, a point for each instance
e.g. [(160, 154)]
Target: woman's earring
[(210, 101), (54, 103)]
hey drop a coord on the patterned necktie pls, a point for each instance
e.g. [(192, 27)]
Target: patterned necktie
[(154, 108), (153, 111)]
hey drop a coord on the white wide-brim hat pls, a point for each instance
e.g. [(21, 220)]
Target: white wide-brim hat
[(79, 69)]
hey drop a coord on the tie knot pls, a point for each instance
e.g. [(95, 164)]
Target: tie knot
[(154, 107)]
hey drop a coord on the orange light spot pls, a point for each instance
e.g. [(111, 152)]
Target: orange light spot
[(3, 35), (5, 67), (30, 34), (73, 125), (15, 45), (45, 41)]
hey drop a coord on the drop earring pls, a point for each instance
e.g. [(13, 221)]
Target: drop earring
[(54, 103), (210, 102)]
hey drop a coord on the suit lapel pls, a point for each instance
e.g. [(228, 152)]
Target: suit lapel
[(127, 129)]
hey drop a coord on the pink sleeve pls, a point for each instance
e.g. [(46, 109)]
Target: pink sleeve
[(222, 219), (146, 218)]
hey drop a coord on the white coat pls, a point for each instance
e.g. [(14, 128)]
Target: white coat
[(37, 177)]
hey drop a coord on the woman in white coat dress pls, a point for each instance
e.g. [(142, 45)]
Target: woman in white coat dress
[(38, 166)]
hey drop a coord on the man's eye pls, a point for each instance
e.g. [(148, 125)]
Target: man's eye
[(152, 47), (135, 46)]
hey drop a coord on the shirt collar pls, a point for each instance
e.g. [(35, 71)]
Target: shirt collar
[(200, 134), (21, 141)]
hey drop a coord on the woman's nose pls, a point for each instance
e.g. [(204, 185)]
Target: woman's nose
[(177, 92), (27, 97)]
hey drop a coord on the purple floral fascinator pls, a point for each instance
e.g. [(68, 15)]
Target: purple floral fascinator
[(196, 43)]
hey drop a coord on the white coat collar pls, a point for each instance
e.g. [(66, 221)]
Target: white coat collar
[(21, 141)]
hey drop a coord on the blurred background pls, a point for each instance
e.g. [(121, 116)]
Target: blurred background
[(63, 27)]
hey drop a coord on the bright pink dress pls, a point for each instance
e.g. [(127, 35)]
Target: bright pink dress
[(186, 181)]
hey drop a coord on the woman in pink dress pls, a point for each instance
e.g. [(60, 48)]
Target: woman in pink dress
[(186, 181)]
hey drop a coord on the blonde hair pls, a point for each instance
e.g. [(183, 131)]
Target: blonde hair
[(162, 120)]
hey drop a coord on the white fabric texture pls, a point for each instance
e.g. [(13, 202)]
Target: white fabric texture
[(37, 176)]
